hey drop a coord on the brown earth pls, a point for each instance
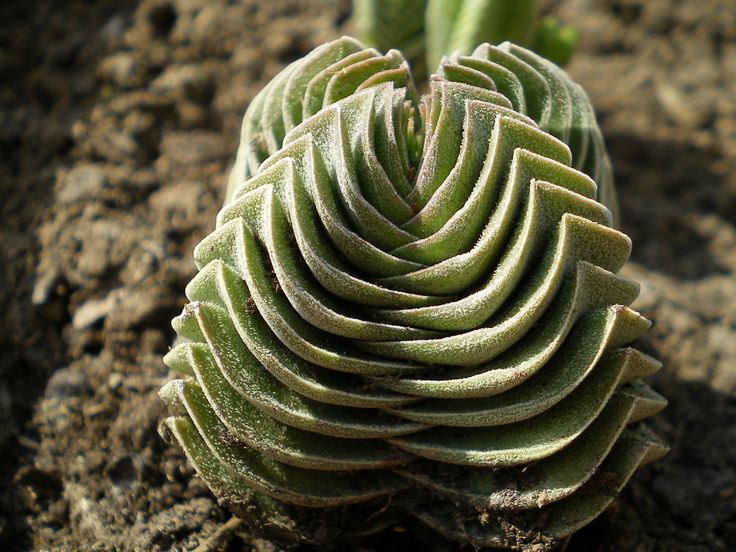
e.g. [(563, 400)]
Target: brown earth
[(118, 122)]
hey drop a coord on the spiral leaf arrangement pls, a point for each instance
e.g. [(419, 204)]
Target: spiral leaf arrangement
[(412, 307)]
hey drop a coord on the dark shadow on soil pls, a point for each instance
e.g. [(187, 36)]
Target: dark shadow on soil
[(665, 188), (48, 81), (686, 500)]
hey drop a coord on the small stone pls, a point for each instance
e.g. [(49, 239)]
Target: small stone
[(119, 68), (680, 108), (66, 383), (93, 311), (83, 182), (115, 381), (140, 307)]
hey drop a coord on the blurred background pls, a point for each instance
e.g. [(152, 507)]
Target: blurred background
[(119, 121)]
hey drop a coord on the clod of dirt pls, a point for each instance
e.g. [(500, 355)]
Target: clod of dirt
[(66, 383), (167, 528)]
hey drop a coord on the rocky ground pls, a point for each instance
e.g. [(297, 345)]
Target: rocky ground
[(118, 123)]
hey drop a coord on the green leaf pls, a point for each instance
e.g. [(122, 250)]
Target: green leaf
[(412, 307)]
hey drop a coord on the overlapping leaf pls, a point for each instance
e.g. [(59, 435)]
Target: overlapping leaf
[(416, 300)]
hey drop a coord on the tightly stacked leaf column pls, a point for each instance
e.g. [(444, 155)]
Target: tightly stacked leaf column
[(416, 302)]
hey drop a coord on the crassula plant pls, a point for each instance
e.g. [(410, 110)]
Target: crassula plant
[(410, 307), (425, 30)]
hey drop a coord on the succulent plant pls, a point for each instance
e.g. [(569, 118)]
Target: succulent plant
[(431, 28), (399, 24), (411, 307)]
